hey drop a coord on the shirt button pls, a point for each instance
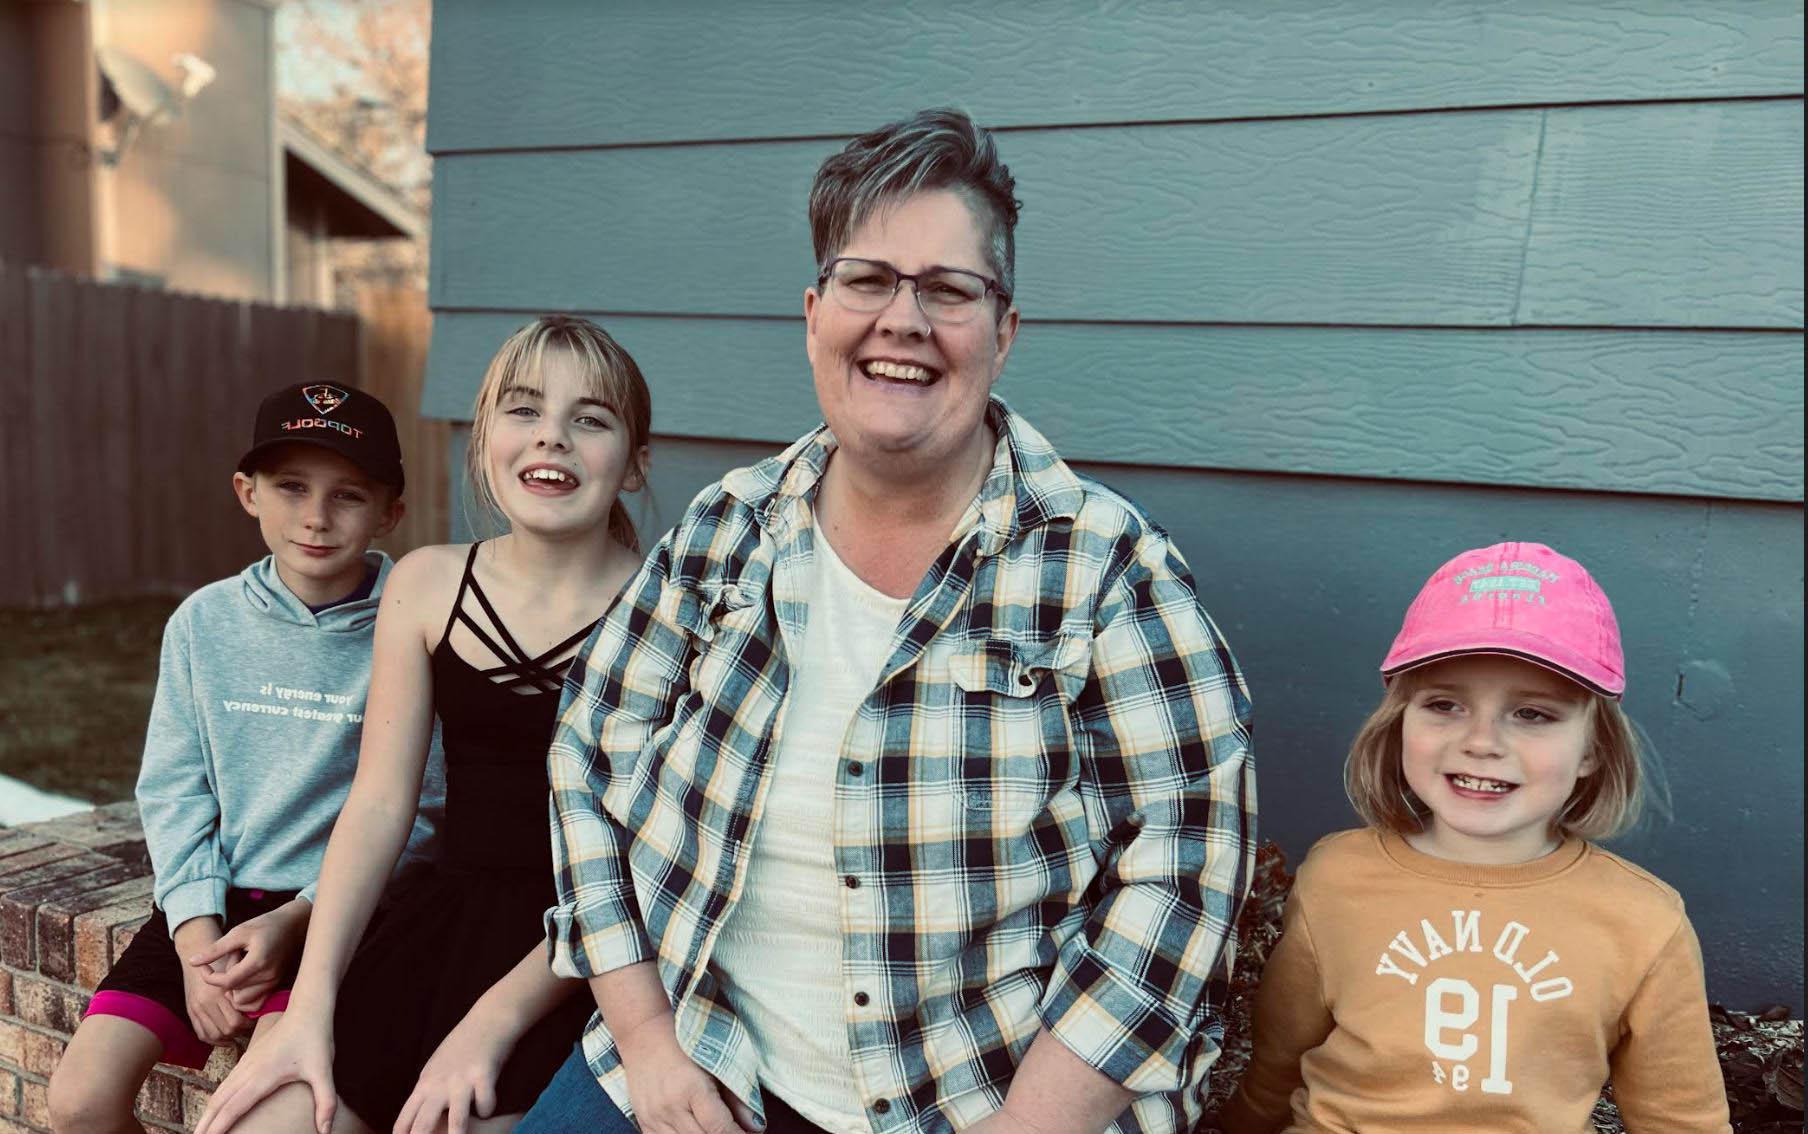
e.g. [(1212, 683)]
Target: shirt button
[(882, 1107), (853, 883), (856, 768), (862, 999)]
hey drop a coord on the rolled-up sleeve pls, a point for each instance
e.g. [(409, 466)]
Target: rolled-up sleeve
[(1164, 744), (620, 691)]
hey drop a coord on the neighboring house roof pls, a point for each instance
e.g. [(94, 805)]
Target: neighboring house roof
[(358, 204)]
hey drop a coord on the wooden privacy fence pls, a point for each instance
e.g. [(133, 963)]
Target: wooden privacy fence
[(393, 365), (125, 411)]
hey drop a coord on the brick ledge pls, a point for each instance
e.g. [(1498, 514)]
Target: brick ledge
[(73, 891)]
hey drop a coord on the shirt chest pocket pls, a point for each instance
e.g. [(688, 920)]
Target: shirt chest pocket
[(730, 641), (698, 766), (1023, 671), (1014, 716), (698, 610)]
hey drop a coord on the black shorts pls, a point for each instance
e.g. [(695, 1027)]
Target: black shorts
[(145, 984)]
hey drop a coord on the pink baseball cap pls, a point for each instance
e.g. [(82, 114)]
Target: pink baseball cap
[(1520, 600)]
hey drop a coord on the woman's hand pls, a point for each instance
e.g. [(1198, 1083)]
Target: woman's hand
[(265, 945), (458, 1082), (669, 1093), (298, 1048), (1001, 1122), (210, 1010)]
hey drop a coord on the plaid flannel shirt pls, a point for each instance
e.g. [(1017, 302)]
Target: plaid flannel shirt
[(1044, 811)]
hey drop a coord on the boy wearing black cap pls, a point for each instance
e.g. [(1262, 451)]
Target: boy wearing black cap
[(250, 751), (323, 477)]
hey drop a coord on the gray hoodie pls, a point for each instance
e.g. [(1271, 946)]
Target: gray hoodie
[(253, 740)]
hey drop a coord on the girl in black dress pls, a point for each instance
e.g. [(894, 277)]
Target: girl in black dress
[(448, 1009)]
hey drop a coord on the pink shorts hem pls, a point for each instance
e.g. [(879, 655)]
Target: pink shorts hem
[(180, 1044), (277, 1001)]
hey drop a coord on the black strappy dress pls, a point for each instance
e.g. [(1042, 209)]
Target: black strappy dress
[(463, 924)]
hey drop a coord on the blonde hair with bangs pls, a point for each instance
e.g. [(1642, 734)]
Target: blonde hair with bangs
[(609, 374), (1605, 803)]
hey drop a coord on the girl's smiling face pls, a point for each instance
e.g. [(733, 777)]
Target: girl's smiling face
[(1493, 746), (558, 455)]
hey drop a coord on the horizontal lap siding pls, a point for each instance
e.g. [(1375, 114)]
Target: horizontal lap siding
[(1674, 216), (1627, 411), (1660, 215), (508, 76), (1284, 288)]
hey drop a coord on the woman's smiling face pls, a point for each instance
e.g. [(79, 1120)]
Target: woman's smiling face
[(891, 383)]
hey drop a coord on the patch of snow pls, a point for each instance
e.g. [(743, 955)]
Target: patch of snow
[(22, 803)]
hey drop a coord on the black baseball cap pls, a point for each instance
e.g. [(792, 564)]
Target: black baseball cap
[(346, 420)]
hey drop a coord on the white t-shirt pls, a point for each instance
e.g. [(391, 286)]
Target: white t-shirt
[(780, 949)]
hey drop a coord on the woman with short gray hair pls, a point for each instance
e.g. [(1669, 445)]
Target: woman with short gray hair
[(908, 787)]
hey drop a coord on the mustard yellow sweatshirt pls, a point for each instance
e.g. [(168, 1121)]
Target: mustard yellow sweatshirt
[(1415, 994)]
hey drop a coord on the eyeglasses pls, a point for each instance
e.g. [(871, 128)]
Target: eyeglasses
[(944, 295)]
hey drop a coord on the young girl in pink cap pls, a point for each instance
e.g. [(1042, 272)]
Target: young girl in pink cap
[(1470, 960)]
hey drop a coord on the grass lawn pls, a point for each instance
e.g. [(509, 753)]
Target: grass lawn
[(75, 691)]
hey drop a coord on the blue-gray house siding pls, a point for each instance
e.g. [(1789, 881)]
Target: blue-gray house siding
[(1334, 290)]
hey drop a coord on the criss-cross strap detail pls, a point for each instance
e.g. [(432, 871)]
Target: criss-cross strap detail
[(546, 675)]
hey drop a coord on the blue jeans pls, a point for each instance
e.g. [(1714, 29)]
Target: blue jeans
[(575, 1103)]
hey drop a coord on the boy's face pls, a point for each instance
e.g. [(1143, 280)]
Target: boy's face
[(317, 513)]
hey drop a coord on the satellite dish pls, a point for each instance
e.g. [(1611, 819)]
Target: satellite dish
[(134, 96), (140, 90), (196, 74)]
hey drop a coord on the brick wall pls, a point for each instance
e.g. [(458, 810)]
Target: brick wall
[(72, 893)]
